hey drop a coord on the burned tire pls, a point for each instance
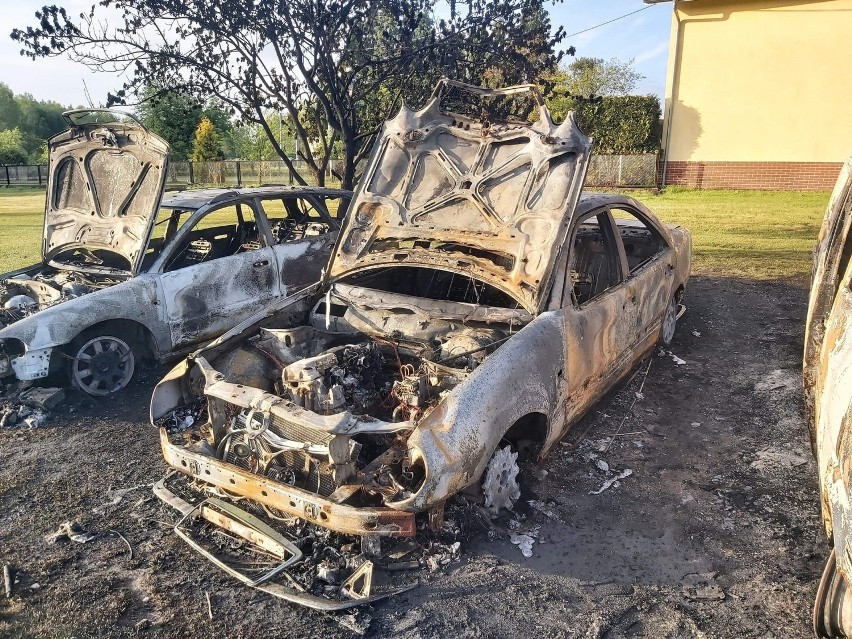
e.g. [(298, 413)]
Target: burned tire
[(833, 605), (102, 364)]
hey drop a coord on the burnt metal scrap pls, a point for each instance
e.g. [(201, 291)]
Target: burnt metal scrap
[(828, 399), (474, 307)]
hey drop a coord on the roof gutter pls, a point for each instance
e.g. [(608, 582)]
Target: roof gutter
[(675, 82)]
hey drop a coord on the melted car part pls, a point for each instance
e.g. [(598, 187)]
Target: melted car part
[(23, 295)]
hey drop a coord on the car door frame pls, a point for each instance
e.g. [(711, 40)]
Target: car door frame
[(318, 245), (648, 305), (158, 269), (593, 361)]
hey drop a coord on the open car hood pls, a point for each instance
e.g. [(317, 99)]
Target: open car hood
[(470, 195), (106, 177)]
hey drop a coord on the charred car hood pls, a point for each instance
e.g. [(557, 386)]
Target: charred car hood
[(104, 187), (483, 198)]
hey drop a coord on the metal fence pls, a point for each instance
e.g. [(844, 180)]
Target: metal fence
[(23, 175), (622, 171), (604, 171), (245, 173)]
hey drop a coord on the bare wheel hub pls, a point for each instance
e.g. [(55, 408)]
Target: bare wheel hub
[(500, 485), (103, 365), (669, 323)]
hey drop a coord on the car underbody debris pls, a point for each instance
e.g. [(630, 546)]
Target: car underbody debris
[(307, 564)]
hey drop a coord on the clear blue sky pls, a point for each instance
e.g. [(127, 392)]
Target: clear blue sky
[(643, 36)]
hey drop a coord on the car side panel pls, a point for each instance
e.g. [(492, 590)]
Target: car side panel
[(301, 262), (206, 299), (460, 435), (135, 300)]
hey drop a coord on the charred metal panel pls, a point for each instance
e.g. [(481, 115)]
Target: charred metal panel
[(104, 186), (204, 300), (498, 196)]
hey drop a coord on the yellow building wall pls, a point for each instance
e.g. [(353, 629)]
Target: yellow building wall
[(757, 80)]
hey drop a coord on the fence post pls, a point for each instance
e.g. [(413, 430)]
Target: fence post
[(191, 180), (239, 175), (290, 172), (38, 168), (620, 168), (8, 181)]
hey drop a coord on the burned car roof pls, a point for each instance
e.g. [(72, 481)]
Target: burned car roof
[(196, 198), (464, 194)]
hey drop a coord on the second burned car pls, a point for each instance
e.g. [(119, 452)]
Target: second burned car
[(128, 274), (475, 306)]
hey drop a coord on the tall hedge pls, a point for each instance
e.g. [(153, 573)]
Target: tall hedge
[(619, 124)]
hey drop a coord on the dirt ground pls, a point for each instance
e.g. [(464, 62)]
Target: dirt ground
[(715, 533)]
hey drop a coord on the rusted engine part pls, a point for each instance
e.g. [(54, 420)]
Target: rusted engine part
[(376, 379), (23, 296)]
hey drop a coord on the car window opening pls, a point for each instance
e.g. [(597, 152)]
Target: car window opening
[(223, 232), (642, 242), (594, 266)]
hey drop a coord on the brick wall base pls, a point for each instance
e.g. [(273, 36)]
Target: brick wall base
[(781, 176)]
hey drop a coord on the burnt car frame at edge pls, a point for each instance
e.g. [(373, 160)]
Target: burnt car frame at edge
[(827, 373), (474, 308)]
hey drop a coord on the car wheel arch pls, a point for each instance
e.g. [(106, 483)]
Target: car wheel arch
[(528, 434), (123, 328)]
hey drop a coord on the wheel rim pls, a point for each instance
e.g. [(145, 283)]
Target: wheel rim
[(103, 365), (670, 322), (500, 485)]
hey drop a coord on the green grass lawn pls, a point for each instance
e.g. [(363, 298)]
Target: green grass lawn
[(757, 234), (21, 219)]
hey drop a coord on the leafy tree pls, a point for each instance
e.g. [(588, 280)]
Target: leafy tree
[(39, 121), (174, 116), (11, 147), (10, 112), (596, 76), (207, 145), (337, 68)]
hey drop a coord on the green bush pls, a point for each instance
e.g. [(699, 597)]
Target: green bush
[(619, 124)]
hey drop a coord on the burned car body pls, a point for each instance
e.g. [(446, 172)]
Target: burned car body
[(828, 399), (127, 274), (474, 301)]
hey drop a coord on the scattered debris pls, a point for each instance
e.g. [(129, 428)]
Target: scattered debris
[(7, 580), (769, 459), (524, 543), (696, 333), (209, 606), (613, 481), (600, 463), (695, 424), (44, 398), (702, 586), (124, 539), (73, 531), (543, 508)]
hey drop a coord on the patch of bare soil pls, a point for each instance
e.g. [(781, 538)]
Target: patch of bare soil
[(714, 532)]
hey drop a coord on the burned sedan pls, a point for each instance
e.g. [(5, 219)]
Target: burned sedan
[(475, 306), (127, 274), (828, 398)]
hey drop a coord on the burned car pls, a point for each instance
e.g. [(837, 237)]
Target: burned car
[(128, 274), (828, 400), (474, 307)]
